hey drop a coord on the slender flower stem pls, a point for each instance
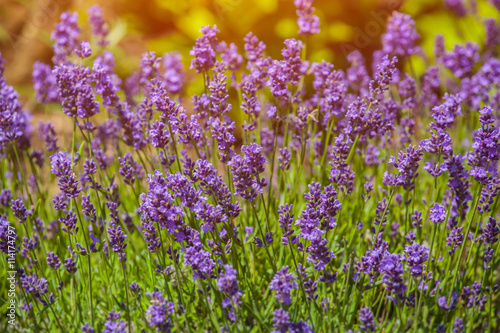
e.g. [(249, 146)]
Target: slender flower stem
[(353, 149), (88, 262), (422, 292), (270, 186), (126, 298), (73, 142), (301, 282), (174, 143), (466, 235), (271, 259), (383, 216), (266, 211), (22, 178), (179, 290), (325, 148), (56, 319)]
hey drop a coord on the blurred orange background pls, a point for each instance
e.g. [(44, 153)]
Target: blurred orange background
[(164, 26)]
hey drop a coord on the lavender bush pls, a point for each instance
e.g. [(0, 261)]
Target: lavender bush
[(286, 196)]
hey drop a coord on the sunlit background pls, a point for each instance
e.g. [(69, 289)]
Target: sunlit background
[(163, 26)]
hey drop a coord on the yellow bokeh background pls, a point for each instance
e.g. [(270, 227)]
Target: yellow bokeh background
[(168, 25)]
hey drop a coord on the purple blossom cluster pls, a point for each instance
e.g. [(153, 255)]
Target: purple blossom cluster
[(246, 170), (283, 283), (269, 200), (307, 22), (401, 36), (61, 167)]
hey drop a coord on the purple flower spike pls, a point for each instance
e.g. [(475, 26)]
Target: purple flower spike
[(295, 68), (416, 255), (457, 7), (462, 59), (130, 169), (254, 47), (307, 22), (383, 77), (5, 197), (282, 323), (455, 239), (491, 231), (230, 55), (112, 325), (84, 50), (448, 306), (401, 36), (393, 271), (32, 285), (486, 145), (44, 83), (492, 35), (75, 91), (200, 262), (471, 296), (283, 283), (53, 260), (218, 91), (228, 284), (7, 235), (174, 76), (61, 167), (458, 325), (278, 79), (100, 28), (204, 50), (160, 311), (437, 213), (117, 241), (87, 328), (246, 170), (367, 323), (250, 105), (284, 158), (407, 165), (47, 132), (69, 223), (19, 210), (286, 222), (65, 34)]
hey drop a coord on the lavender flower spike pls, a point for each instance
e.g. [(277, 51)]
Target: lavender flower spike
[(283, 283)]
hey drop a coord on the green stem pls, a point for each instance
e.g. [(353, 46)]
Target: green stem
[(422, 291), (271, 259), (22, 178), (126, 298), (175, 148), (88, 262), (353, 149), (466, 235)]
